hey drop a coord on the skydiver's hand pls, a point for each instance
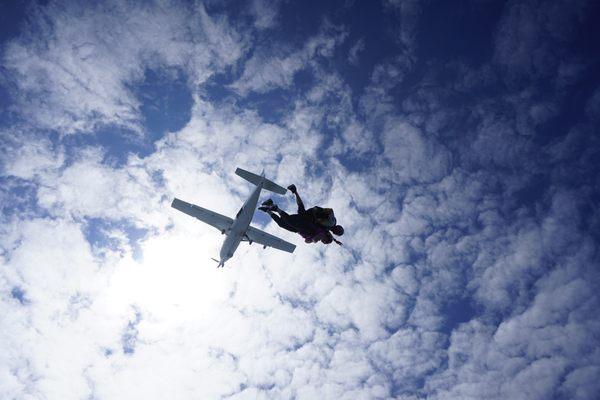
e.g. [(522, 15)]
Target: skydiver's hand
[(292, 188)]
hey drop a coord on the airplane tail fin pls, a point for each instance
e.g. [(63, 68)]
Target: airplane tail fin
[(257, 179)]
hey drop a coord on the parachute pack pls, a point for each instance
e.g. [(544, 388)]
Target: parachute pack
[(323, 216)]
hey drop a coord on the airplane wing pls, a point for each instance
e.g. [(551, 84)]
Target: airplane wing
[(261, 237), (219, 221)]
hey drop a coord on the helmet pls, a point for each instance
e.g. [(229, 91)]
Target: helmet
[(337, 230)]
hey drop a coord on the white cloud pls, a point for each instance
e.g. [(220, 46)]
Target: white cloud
[(264, 72), (413, 156), (431, 219), (354, 51), (89, 188), (266, 13), (581, 383), (408, 18), (74, 73), (30, 156), (377, 100)]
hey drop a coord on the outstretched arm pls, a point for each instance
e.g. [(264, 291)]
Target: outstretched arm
[(299, 202)]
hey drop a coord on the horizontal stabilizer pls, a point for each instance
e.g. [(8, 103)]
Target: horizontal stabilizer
[(268, 240), (257, 179), (219, 263)]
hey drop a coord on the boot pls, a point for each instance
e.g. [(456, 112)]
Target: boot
[(267, 203)]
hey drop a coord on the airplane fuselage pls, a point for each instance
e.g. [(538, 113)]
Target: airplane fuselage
[(238, 229)]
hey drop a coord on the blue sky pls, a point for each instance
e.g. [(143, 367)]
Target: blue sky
[(456, 141)]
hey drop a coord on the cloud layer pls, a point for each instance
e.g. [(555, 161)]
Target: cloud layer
[(467, 190)]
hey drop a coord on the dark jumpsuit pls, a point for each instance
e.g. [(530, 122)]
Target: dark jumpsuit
[(301, 223)]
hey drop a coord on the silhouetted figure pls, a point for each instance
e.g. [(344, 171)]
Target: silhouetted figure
[(315, 224)]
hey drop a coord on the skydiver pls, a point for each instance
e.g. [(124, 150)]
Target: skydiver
[(314, 225)]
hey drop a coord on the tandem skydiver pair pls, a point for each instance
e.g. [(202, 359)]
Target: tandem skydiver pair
[(315, 225)]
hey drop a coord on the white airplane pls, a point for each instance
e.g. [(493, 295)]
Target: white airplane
[(239, 229)]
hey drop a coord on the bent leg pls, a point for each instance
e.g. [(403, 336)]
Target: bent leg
[(283, 221)]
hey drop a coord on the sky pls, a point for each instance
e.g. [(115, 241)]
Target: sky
[(457, 142)]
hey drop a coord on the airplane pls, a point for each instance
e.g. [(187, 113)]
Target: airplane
[(239, 230)]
